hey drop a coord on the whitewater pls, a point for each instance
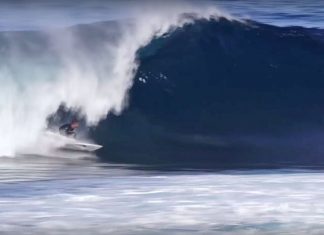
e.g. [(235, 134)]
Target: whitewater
[(81, 197), (45, 69)]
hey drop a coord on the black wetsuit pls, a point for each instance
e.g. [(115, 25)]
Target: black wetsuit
[(67, 130)]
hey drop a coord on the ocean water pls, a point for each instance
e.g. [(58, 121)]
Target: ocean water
[(282, 13), (81, 197), (210, 124)]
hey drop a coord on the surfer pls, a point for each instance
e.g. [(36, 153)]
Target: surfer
[(69, 129)]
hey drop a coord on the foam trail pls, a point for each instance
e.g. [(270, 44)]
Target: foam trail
[(61, 66)]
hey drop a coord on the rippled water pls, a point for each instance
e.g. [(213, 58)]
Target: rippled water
[(75, 196), (283, 13), (35, 14)]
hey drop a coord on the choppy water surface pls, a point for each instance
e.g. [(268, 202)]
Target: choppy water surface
[(60, 196), (40, 14), (284, 13)]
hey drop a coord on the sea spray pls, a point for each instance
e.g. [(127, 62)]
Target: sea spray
[(41, 70)]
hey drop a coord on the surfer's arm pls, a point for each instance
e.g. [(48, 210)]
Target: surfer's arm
[(64, 127)]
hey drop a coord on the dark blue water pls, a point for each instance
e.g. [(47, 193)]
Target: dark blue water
[(224, 93), (282, 13)]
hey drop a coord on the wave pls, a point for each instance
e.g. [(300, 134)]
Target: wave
[(223, 92), (190, 85), (87, 68)]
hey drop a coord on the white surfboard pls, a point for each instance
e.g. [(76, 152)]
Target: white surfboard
[(82, 147), (68, 143)]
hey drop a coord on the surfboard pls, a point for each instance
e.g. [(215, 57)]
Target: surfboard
[(82, 147), (67, 143)]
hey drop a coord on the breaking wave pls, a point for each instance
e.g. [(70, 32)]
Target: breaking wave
[(187, 85), (86, 68)]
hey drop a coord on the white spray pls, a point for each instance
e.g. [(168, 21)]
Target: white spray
[(30, 95)]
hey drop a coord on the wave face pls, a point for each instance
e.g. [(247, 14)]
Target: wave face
[(86, 68), (224, 93)]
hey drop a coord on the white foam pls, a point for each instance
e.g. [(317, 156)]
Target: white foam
[(33, 88), (179, 204)]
